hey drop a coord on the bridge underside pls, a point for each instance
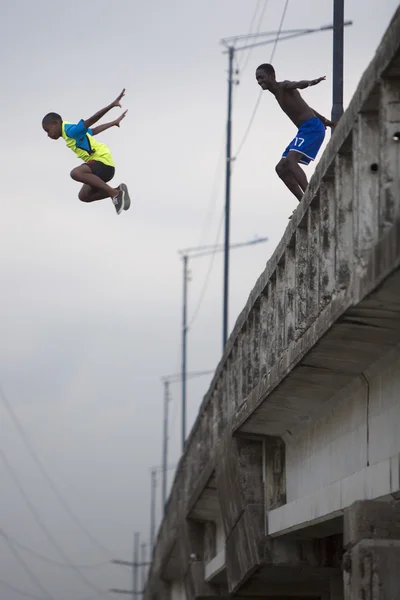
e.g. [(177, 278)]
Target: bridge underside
[(350, 347)]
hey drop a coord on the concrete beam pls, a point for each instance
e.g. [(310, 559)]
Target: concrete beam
[(215, 567), (372, 559), (367, 520), (375, 481)]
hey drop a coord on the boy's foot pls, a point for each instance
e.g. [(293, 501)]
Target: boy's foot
[(126, 198), (118, 202)]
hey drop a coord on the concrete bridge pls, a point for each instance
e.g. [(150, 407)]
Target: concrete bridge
[(289, 483)]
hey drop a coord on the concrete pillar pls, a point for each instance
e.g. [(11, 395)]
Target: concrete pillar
[(371, 563)]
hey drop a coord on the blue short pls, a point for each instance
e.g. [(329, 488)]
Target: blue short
[(308, 140)]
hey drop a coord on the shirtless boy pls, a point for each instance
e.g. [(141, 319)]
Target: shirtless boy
[(311, 127)]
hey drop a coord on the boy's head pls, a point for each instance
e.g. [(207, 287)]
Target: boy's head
[(52, 124), (265, 75)]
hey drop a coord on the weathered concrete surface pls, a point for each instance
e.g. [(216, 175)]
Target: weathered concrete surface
[(372, 559), (298, 424)]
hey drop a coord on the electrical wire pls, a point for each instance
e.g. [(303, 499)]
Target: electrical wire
[(260, 21), (215, 189), (46, 559), (13, 588), (253, 18), (249, 126), (279, 30), (28, 571), (175, 413), (207, 278), (217, 177), (246, 133), (43, 526), (35, 457), (20, 592)]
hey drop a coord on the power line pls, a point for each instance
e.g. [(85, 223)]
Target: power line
[(43, 526), (207, 278), (260, 21), (253, 18), (13, 588), (28, 571), (246, 133), (18, 591), (249, 126), (35, 457), (279, 30), (46, 559), (217, 179), (215, 189)]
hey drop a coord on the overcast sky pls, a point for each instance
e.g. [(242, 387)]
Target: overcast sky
[(91, 302)]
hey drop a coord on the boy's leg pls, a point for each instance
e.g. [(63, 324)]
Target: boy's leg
[(88, 194), (285, 173), (83, 174), (293, 159)]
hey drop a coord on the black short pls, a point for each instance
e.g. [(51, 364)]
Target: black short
[(105, 172)]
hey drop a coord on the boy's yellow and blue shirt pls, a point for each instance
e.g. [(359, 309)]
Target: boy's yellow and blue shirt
[(81, 141)]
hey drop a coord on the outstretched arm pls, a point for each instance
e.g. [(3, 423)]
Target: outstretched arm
[(100, 128), (97, 116), (301, 85)]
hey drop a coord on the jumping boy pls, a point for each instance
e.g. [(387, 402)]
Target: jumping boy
[(98, 165), (311, 127)]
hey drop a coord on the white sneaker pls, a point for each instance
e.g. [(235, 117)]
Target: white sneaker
[(125, 195)]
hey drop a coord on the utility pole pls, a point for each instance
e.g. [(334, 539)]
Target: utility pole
[(165, 442), (198, 252), (228, 158), (338, 48), (231, 49), (153, 489), (136, 543), (135, 565), (153, 508), (185, 259), (167, 380), (144, 564)]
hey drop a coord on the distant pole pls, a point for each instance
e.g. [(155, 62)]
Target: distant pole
[(338, 49), (186, 254), (165, 444), (135, 565), (136, 542), (153, 508), (184, 339), (231, 52), (143, 561)]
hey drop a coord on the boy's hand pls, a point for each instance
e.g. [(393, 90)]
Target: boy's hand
[(117, 101), (330, 124), (315, 81), (118, 121)]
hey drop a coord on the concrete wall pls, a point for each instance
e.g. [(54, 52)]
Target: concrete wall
[(384, 413), (329, 449), (220, 537), (361, 428)]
